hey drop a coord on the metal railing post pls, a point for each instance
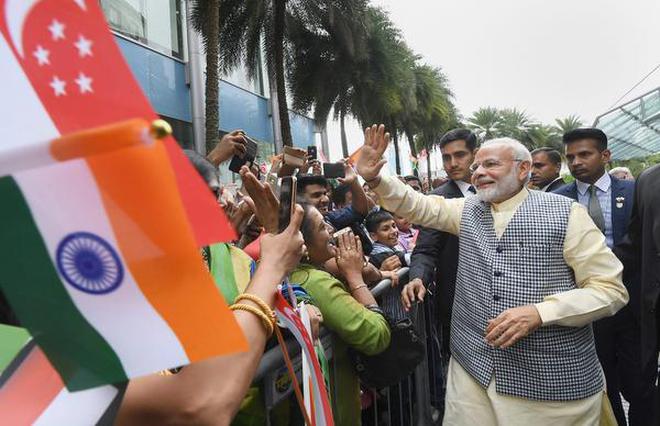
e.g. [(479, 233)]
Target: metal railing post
[(414, 401), (421, 375)]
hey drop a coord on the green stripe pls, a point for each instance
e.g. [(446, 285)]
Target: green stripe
[(222, 270), (12, 340), (36, 293)]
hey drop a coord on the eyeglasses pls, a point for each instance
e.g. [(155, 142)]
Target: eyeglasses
[(490, 164)]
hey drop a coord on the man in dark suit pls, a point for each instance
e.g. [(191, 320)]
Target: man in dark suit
[(546, 164), (435, 257), (640, 252), (609, 203)]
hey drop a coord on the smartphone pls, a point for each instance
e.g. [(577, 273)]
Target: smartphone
[(311, 153), (293, 156), (287, 201), (271, 179), (333, 170), (238, 161), (336, 235)]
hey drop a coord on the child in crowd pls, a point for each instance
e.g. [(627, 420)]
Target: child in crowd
[(387, 254), (407, 234)]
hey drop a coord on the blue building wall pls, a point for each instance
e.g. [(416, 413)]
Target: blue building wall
[(302, 130), (241, 109), (163, 81)]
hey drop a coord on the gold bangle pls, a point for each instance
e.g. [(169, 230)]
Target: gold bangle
[(358, 287), (267, 322), (259, 302)]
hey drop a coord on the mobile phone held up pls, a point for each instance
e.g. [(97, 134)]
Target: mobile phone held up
[(238, 161), (311, 153), (333, 170), (287, 201), (338, 234)]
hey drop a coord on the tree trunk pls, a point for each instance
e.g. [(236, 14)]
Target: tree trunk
[(279, 9), (395, 139), (413, 152), (344, 140), (428, 166), (212, 109)]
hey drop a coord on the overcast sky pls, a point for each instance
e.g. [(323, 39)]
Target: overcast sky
[(550, 58)]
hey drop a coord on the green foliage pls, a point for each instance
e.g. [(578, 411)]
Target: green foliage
[(432, 111), (541, 135), (386, 79), (490, 122), (354, 60), (327, 57), (637, 165), (248, 27), (341, 55), (564, 125), (484, 122)]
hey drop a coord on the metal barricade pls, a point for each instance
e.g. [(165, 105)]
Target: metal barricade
[(407, 403)]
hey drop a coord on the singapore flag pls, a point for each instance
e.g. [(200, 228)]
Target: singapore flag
[(61, 71)]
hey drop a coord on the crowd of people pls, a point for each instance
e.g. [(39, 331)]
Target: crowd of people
[(544, 293)]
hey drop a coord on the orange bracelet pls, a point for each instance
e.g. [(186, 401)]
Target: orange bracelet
[(267, 322), (259, 302)]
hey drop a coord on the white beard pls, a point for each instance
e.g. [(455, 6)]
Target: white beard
[(506, 185)]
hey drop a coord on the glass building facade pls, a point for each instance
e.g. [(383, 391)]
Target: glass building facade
[(152, 35), (633, 129)]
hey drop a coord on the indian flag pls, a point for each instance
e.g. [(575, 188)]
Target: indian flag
[(101, 266), (31, 392)]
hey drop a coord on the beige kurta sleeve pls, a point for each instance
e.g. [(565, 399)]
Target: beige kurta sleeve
[(426, 210), (597, 274)]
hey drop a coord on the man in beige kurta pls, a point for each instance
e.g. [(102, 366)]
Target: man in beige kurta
[(503, 373)]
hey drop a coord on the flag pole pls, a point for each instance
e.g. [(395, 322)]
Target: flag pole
[(95, 141)]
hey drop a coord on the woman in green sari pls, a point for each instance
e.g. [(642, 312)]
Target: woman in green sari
[(348, 309)]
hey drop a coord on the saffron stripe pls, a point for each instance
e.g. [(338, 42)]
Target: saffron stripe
[(158, 244)]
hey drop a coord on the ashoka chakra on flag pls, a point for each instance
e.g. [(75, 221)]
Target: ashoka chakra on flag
[(89, 263)]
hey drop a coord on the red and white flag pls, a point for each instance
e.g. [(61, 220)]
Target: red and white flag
[(318, 403), (63, 72), (321, 154), (31, 392)]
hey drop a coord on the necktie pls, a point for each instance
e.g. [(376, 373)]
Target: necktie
[(471, 189), (594, 209)]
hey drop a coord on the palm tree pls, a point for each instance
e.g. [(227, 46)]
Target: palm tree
[(515, 123), (207, 21), (484, 122), (242, 25), (327, 52), (248, 27), (564, 125), (386, 80), (432, 111), (542, 135)]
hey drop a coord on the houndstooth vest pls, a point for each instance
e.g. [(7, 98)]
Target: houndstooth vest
[(526, 264)]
